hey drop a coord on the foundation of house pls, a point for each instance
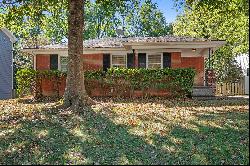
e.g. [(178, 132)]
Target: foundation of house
[(203, 91)]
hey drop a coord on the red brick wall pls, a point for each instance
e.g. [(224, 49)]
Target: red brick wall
[(198, 64), (95, 62), (175, 59), (42, 62), (92, 61), (49, 89)]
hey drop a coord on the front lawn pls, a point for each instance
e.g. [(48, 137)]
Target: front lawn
[(153, 131)]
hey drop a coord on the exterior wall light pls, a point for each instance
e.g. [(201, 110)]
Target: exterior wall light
[(193, 49)]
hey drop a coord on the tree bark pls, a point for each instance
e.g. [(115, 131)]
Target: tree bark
[(75, 93)]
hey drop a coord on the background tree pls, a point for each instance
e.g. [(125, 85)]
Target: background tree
[(35, 21), (151, 20), (42, 22), (139, 18), (30, 21), (223, 20), (48, 19)]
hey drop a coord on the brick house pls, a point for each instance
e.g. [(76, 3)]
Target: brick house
[(132, 52)]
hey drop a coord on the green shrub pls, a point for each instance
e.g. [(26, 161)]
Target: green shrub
[(177, 81), (29, 80), (24, 78)]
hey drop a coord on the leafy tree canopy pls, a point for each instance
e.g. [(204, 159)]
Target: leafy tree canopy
[(35, 20), (217, 19), (42, 22)]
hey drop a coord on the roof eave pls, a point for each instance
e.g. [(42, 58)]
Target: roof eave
[(12, 38), (217, 42), (139, 45)]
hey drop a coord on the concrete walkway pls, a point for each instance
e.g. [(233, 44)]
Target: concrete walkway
[(238, 97)]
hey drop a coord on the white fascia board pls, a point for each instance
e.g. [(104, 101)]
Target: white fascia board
[(176, 43), (64, 52), (138, 47), (157, 50), (200, 52), (149, 45), (45, 51), (104, 51), (174, 46)]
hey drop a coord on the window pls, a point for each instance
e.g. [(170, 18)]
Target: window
[(154, 61), (150, 61), (63, 62), (142, 60), (53, 62), (119, 60)]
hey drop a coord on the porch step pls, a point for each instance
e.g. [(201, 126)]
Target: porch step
[(202, 91)]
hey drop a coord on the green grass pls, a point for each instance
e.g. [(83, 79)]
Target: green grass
[(138, 131)]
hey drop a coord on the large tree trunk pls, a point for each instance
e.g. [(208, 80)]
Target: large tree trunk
[(75, 93)]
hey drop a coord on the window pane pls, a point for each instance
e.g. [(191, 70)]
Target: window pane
[(154, 61), (118, 60), (154, 66), (64, 62), (53, 62), (119, 66), (142, 60)]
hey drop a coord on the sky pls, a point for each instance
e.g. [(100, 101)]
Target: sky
[(168, 9)]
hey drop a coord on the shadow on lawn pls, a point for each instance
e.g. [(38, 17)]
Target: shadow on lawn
[(87, 137), (32, 100), (180, 102), (51, 141), (206, 142)]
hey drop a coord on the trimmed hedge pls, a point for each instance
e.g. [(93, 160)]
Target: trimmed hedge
[(178, 81), (29, 80)]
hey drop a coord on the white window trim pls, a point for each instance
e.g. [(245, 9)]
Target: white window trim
[(59, 61), (153, 53), (111, 57), (121, 53), (34, 62)]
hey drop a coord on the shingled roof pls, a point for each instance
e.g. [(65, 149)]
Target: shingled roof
[(118, 42)]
